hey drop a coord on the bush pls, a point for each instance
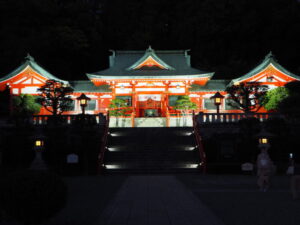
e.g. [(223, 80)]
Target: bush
[(31, 197)]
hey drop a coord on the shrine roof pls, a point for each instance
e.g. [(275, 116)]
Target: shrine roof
[(211, 85), (269, 59), (88, 86), (126, 64), (29, 61)]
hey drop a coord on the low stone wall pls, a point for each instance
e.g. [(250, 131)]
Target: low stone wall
[(152, 122), (120, 122), (181, 121)]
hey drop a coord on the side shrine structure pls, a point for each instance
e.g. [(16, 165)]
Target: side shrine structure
[(150, 81)]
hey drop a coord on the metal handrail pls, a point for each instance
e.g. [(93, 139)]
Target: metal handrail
[(199, 144), (103, 145)]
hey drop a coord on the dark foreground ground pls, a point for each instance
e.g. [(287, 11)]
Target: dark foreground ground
[(231, 200)]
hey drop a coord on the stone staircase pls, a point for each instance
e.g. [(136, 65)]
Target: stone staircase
[(151, 150)]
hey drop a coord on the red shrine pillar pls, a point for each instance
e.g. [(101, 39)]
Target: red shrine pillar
[(134, 100), (165, 99)]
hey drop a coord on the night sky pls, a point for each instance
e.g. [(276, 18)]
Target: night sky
[(72, 37)]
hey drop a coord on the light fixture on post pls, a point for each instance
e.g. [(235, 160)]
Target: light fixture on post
[(264, 139), (39, 143), (217, 97), (83, 101), (38, 162)]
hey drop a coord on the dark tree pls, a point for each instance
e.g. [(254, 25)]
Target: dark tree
[(291, 104), (32, 197), (247, 96), (55, 97), (5, 101), (79, 33)]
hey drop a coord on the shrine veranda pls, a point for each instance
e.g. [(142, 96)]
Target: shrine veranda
[(150, 82)]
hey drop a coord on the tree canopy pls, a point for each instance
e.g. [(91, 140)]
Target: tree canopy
[(72, 38), (291, 104), (118, 107), (184, 104), (273, 98), (32, 197), (25, 105), (247, 96), (4, 101), (55, 97)]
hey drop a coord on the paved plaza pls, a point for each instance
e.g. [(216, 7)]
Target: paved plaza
[(159, 200), (177, 200)]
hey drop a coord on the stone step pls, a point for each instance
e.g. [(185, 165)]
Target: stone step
[(146, 150), (151, 148)]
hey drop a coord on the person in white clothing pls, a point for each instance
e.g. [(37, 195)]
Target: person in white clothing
[(264, 169)]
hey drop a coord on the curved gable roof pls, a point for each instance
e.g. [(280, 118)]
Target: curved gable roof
[(269, 60), (29, 61), (123, 63)]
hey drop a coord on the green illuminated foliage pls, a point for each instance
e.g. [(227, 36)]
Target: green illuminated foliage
[(273, 98), (184, 103), (25, 105), (291, 104), (118, 107)]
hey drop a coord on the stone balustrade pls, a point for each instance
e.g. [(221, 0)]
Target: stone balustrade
[(206, 118), (98, 119)]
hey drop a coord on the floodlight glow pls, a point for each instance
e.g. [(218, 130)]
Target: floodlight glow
[(186, 133), (191, 165), (112, 166), (190, 148), (112, 149)]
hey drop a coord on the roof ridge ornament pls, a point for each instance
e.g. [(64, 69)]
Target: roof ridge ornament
[(150, 49), (270, 55), (150, 60), (29, 58)]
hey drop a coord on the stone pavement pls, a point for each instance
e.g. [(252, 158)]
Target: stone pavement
[(156, 200)]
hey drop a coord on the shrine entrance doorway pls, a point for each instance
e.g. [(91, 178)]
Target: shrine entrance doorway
[(150, 105), (151, 113)]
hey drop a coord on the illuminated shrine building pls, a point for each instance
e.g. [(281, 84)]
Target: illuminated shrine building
[(150, 81)]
